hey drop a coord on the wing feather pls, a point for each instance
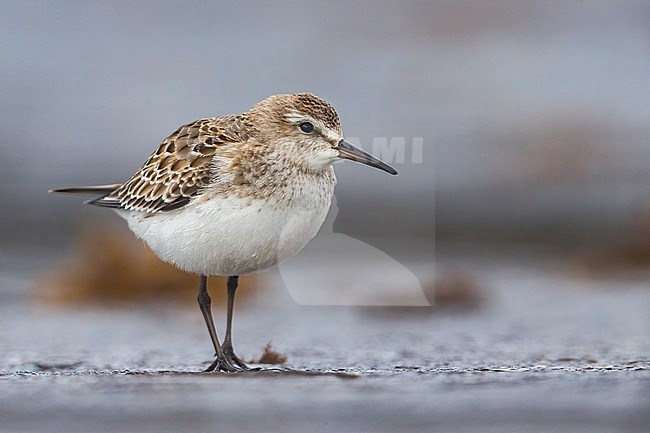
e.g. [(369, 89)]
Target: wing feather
[(179, 169)]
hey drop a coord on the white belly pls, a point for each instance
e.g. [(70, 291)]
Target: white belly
[(229, 235)]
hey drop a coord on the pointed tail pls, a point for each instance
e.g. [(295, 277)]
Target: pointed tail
[(98, 190)]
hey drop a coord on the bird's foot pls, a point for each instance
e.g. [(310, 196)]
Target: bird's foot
[(229, 354), (221, 363)]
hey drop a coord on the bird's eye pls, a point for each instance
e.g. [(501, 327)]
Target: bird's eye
[(307, 127)]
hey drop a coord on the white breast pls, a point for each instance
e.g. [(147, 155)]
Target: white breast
[(231, 235)]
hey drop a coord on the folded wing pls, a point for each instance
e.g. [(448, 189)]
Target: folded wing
[(177, 171)]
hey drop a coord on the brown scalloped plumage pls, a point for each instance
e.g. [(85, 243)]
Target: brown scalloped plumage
[(179, 168)]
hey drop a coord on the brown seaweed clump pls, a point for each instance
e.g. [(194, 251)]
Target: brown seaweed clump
[(626, 255), (454, 289), (270, 356), (449, 290), (112, 266)]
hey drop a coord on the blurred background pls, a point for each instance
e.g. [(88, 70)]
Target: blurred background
[(531, 199), (533, 115)]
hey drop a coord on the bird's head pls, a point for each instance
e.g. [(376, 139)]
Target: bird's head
[(306, 131)]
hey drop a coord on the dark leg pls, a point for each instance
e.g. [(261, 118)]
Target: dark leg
[(227, 344), (221, 363)]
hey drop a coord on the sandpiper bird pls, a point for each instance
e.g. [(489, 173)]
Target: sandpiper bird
[(235, 194)]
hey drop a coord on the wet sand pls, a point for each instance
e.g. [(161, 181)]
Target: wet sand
[(546, 352)]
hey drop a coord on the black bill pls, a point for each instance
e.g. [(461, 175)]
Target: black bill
[(348, 151)]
